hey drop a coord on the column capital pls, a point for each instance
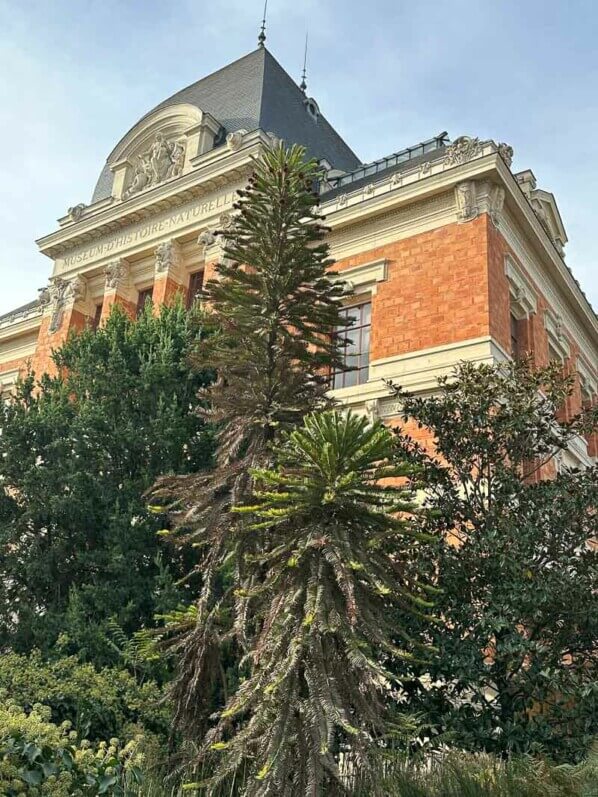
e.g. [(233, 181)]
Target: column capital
[(59, 295), (169, 261)]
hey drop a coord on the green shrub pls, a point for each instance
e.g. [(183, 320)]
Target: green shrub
[(98, 704), (39, 758), (462, 775)]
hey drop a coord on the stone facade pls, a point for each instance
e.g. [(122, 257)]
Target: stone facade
[(454, 253)]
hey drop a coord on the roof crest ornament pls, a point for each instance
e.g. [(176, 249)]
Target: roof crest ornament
[(261, 39)]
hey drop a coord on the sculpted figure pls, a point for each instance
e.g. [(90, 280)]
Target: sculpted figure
[(177, 157), (159, 156), (141, 177)]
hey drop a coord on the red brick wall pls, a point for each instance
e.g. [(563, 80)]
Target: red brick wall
[(436, 292)]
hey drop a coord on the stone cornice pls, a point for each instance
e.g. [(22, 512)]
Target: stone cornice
[(403, 188), (20, 323), (386, 194), (216, 168)]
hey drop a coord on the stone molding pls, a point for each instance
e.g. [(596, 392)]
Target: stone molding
[(588, 380), (541, 278), (553, 323), (417, 371), (523, 297), (364, 278)]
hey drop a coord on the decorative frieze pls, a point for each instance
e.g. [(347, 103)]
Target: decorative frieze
[(496, 201)]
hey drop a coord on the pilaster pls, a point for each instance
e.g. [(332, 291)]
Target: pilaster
[(118, 289), (169, 275), (65, 308)]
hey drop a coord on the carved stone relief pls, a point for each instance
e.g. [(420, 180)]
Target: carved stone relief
[(162, 161), (60, 293), (462, 149), (76, 211), (206, 238), (465, 195), (496, 203), (168, 258), (506, 153), (234, 140), (117, 274)]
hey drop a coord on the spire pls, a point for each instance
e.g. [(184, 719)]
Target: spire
[(303, 84), (261, 39)]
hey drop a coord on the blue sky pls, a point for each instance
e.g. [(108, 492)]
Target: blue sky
[(77, 74)]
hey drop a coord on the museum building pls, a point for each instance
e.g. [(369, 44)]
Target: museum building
[(451, 256)]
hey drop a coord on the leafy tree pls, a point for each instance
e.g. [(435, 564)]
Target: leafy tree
[(321, 592), (271, 310), (78, 547), (517, 666)]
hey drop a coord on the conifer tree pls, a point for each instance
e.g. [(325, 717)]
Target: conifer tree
[(270, 310), (325, 590)]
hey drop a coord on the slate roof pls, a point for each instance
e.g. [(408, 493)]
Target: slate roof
[(253, 93), (19, 311)]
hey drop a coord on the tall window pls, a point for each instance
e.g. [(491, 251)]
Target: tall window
[(97, 317), (356, 354), (195, 285), (515, 341), (142, 298)]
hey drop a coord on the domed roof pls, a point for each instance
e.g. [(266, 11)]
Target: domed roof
[(253, 93)]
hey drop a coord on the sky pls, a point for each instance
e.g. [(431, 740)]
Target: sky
[(75, 75)]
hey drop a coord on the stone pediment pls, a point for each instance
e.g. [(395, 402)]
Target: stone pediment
[(545, 207), (160, 147)]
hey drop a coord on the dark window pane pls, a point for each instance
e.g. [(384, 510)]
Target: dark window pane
[(195, 286), (143, 297)]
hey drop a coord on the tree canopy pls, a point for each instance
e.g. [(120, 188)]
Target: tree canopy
[(78, 546)]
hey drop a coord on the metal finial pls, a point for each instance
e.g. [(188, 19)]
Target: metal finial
[(303, 84), (261, 39)]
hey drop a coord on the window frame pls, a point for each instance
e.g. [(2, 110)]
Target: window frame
[(360, 373)]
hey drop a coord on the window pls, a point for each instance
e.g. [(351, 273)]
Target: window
[(356, 354), (195, 286), (142, 298), (515, 342), (97, 317)]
